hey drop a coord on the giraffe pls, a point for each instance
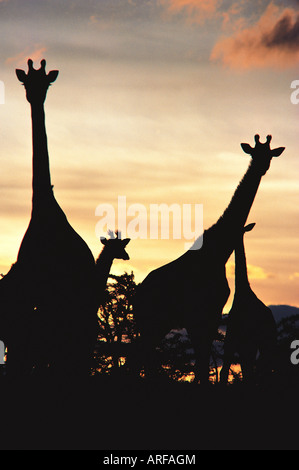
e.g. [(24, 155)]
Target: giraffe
[(16, 314), (251, 327), (54, 271), (113, 248), (192, 290)]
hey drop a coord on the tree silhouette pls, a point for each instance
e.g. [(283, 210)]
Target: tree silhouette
[(176, 356), (117, 326), (118, 336)]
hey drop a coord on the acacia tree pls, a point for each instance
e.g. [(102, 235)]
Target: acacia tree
[(118, 333), (117, 326)]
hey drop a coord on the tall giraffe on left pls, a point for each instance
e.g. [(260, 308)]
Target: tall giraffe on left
[(55, 264)]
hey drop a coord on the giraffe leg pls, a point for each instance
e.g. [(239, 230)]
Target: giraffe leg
[(265, 362), (73, 345), (228, 354), (149, 355), (202, 349), (267, 345), (150, 359), (247, 361), (225, 368), (202, 369)]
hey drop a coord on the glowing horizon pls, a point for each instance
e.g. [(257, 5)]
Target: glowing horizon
[(152, 101)]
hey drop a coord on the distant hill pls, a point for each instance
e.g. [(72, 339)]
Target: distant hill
[(281, 312)]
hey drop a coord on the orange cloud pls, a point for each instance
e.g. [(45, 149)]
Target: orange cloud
[(272, 42), (254, 272), (21, 59), (232, 19), (196, 11)]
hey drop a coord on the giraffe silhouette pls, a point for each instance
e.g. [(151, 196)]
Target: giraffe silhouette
[(113, 248), (54, 278), (251, 327), (192, 290)]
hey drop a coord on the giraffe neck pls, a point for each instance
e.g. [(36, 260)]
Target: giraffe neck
[(103, 266), (41, 179), (241, 276), (222, 236)]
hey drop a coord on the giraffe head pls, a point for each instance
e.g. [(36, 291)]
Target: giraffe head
[(36, 82), (261, 153), (116, 245)]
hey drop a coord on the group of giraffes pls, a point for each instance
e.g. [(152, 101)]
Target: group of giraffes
[(51, 295)]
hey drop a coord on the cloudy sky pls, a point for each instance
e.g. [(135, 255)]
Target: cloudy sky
[(152, 101)]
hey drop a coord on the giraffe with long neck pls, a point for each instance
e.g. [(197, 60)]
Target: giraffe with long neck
[(57, 265), (113, 248), (192, 290), (251, 328)]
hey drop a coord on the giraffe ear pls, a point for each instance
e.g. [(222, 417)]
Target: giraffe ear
[(21, 75), (277, 152), (249, 227), (103, 240), (52, 75), (126, 241), (247, 148)]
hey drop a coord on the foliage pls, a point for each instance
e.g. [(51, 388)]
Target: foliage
[(118, 334), (117, 326), (176, 356)]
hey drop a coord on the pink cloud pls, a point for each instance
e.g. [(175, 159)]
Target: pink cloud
[(271, 42), (21, 58), (196, 11), (231, 18)]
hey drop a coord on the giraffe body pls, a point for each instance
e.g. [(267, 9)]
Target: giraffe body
[(191, 291), (56, 323), (251, 328)]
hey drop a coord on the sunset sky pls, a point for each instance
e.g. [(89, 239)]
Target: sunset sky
[(152, 101)]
